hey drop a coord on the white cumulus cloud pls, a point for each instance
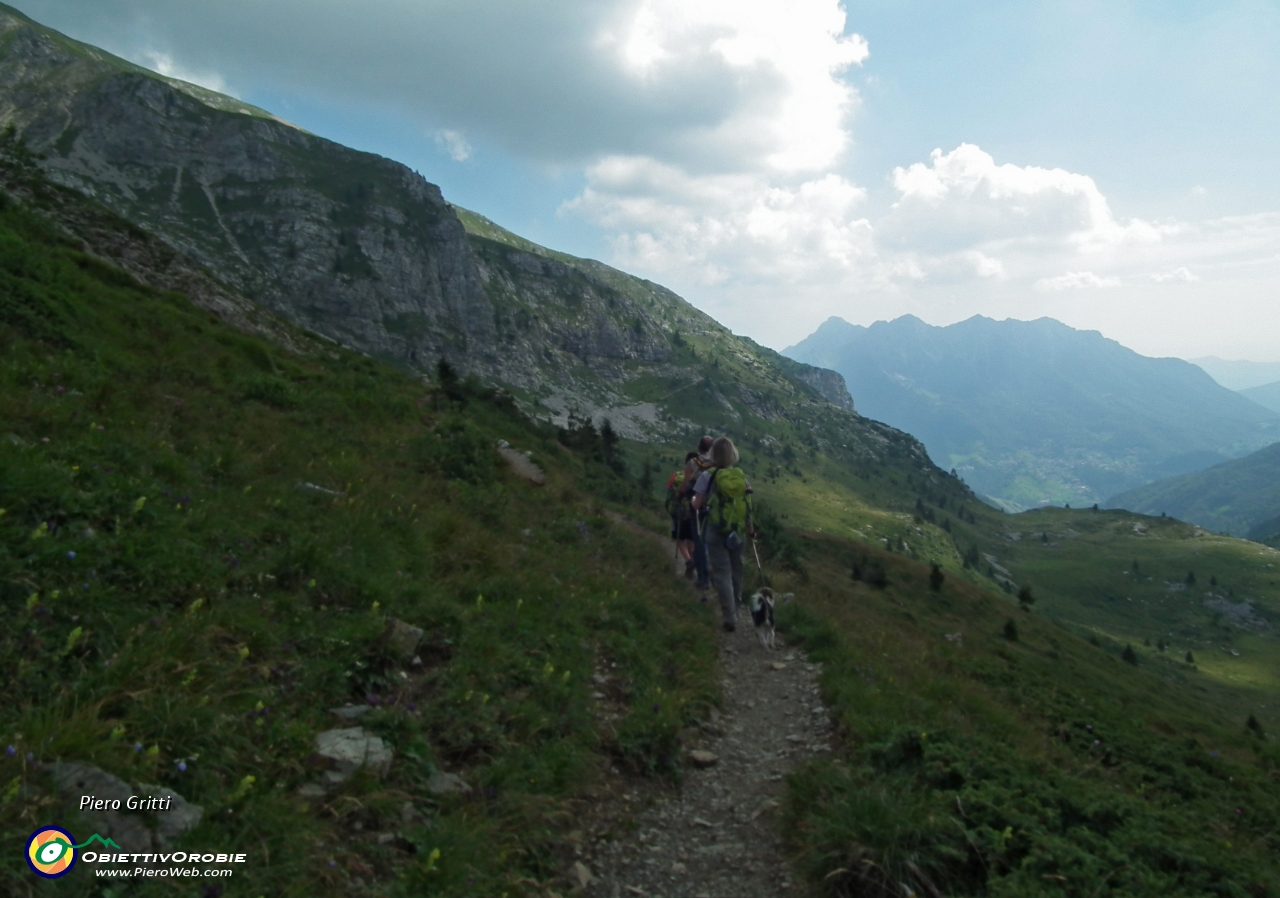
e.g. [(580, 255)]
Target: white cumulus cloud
[(453, 144), (1076, 280), (164, 64), (1182, 273), (964, 198)]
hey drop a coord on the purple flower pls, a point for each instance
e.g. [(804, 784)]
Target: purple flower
[(657, 708), (182, 766), (137, 746), (413, 706), (31, 756), (1214, 754), (71, 554), (11, 751), (1239, 811), (1096, 742)]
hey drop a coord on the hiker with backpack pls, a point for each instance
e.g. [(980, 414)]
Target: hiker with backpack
[(726, 495), (683, 527), (695, 464)]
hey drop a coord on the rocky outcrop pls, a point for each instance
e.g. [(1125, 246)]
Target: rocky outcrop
[(148, 816), (348, 244), (829, 384)]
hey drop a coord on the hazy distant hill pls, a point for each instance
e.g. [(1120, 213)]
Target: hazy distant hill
[(1035, 411), (1239, 375), (1267, 395), (1240, 497)]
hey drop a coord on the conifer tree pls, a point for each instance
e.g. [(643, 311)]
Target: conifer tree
[(936, 577)]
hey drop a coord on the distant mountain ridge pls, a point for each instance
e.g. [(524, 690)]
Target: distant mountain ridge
[(1239, 497), (1267, 395), (1031, 412), (1239, 375)]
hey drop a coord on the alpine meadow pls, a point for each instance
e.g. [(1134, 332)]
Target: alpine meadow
[(296, 456)]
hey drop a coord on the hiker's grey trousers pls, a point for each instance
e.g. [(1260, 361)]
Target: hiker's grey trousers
[(726, 574)]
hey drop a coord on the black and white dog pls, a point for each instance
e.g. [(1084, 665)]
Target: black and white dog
[(762, 616)]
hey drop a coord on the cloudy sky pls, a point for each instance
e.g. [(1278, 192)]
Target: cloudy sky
[(1110, 164)]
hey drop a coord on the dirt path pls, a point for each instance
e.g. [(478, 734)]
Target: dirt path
[(717, 836)]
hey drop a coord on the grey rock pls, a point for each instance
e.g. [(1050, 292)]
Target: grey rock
[(402, 639), (351, 712), (521, 465), (703, 759), (347, 750), (442, 783), (132, 830)]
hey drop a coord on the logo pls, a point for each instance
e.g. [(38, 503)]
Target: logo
[(51, 852)]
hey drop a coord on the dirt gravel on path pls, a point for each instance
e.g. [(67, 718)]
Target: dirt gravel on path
[(717, 836)]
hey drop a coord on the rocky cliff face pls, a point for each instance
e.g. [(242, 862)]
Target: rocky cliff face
[(364, 251), (351, 245)]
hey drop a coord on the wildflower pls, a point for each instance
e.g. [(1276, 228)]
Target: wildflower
[(71, 554), (141, 501), (137, 746), (11, 751), (182, 766), (244, 652)]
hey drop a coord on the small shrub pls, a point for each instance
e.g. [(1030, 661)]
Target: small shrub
[(1254, 727), (1129, 654), (1191, 659), (1010, 631), (1025, 598), (874, 575)]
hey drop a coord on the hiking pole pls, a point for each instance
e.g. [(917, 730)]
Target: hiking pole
[(759, 567)]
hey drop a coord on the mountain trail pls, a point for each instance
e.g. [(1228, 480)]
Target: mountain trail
[(717, 835)]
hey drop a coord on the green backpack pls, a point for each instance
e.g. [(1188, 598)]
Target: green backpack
[(675, 486), (732, 507)]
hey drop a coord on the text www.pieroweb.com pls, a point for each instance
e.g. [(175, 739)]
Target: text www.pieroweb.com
[(176, 865)]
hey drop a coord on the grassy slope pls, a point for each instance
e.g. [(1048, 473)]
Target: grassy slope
[(1232, 497), (173, 596), (981, 765)]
